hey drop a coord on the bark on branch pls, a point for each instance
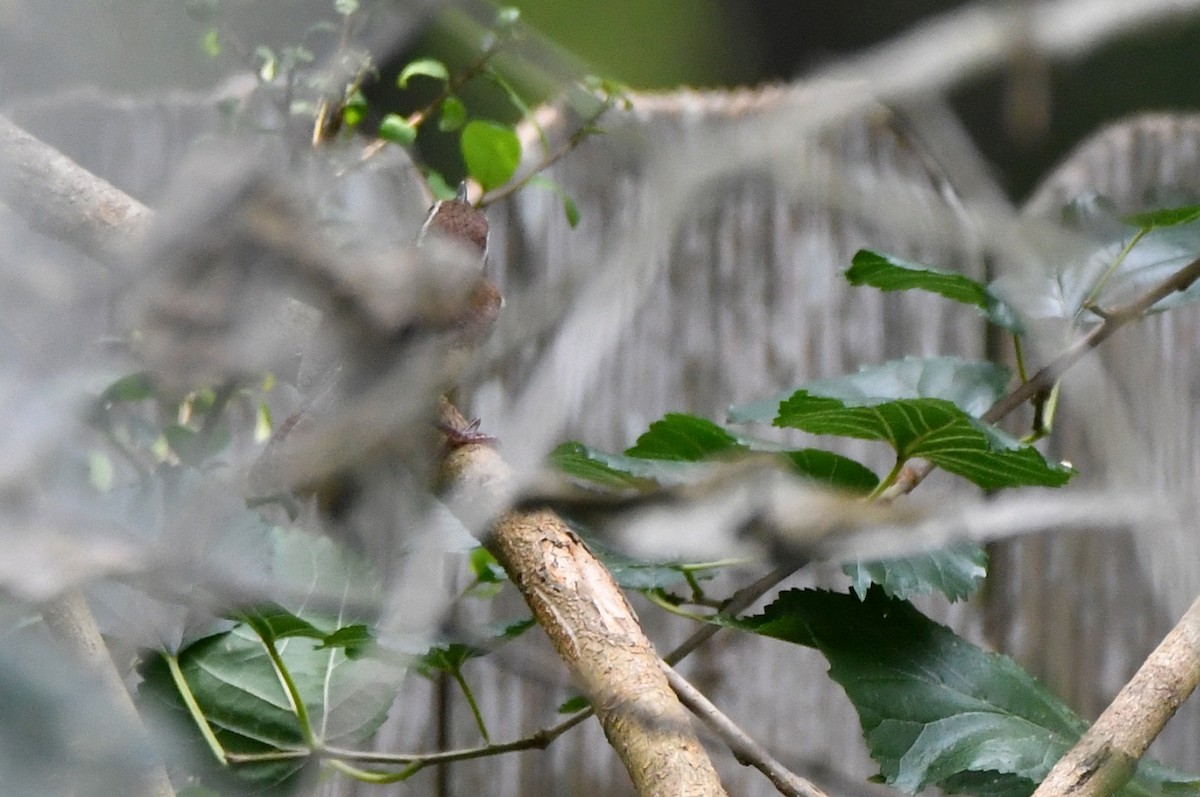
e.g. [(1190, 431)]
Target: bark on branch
[(592, 627)]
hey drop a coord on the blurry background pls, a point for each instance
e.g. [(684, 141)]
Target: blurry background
[(139, 44)]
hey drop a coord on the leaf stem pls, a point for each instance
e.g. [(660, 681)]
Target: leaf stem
[(457, 675), (582, 132), (1094, 293), (293, 693), (189, 700), (887, 481)]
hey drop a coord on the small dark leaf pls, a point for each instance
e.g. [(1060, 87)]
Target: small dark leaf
[(491, 151), (354, 639), (574, 704), (683, 438), (832, 469), (273, 623), (890, 273)]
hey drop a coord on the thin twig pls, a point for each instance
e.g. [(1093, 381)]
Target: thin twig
[(1044, 380), (586, 128), (744, 748)]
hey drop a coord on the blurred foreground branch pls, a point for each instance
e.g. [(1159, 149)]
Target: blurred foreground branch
[(54, 194)]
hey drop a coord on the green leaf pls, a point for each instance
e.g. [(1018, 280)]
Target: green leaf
[(890, 273), (954, 571), (832, 469), (453, 115), (491, 151), (210, 43), (449, 657), (134, 387), (1164, 217), (485, 567), (600, 468), (345, 7), (355, 639), (934, 708), (573, 704), (972, 386), (931, 704), (684, 438), (427, 67), (272, 622), (354, 109), (570, 209), (932, 429), (396, 129), (235, 684), (438, 185), (191, 448)]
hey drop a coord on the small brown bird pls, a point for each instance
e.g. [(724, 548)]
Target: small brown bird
[(458, 220)]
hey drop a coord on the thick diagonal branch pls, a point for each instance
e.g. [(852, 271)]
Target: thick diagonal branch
[(592, 627)]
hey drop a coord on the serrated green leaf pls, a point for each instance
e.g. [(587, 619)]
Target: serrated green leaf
[(1164, 217), (932, 429), (600, 468), (396, 129), (931, 704), (634, 573), (683, 438), (832, 469), (427, 67), (453, 115), (971, 385), (954, 571), (934, 708), (890, 273), (491, 151)]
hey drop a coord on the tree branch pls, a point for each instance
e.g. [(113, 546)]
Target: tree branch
[(54, 194), (744, 748), (1107, 755), (1044, 379), (590, 624)]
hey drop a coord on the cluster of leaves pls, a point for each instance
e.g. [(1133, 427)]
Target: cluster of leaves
[(276, 685), (491, 150), (935, 709)]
